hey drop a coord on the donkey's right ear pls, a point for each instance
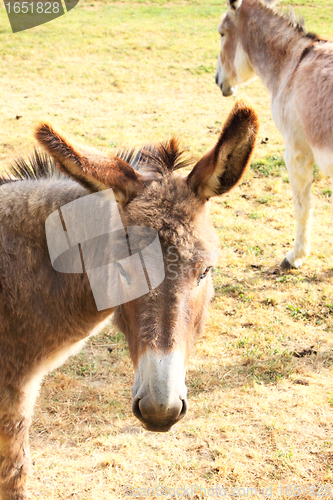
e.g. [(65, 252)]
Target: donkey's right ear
[(223, 166), (234, 4), (93, 169)]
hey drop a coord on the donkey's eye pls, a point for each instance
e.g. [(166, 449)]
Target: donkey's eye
[(222, 35), (204, 274)]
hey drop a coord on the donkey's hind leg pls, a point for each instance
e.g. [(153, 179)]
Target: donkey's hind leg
[(324, 159), (300, 169), (14, 448)]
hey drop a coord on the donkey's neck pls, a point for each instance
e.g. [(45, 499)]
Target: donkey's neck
[(66, 309), (273, 45)]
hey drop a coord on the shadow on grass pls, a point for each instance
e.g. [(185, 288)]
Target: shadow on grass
[(279, 275), (262, 369)]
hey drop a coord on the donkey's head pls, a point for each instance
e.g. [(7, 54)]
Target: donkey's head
[(233, 64), (162, 325)]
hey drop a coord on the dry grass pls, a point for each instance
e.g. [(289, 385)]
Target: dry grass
[(118, 74)]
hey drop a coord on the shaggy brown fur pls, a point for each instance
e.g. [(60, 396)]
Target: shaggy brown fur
[(46, 315)]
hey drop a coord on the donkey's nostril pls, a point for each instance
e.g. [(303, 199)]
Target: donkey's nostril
[(183, 410), (160, 417), (136, 408)]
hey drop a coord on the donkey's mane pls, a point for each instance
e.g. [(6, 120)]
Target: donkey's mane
[(290, 19), (161, 159), (38, 165)]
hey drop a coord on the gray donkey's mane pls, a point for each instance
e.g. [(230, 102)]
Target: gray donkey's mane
[(297, 24)]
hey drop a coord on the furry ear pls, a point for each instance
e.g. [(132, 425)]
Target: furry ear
[(223, 166), (234, 4), (93, 169)]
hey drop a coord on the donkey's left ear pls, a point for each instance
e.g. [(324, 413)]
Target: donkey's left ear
[(93, 169), (234, 4), (222, 167)]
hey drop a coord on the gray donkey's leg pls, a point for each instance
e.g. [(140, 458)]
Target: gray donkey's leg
[(300, 169)]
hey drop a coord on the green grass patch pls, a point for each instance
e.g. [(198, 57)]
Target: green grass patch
[(272, 166), (326, 192)]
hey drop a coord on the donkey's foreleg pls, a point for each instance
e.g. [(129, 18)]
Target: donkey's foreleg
[(14, 456), (300, 170)]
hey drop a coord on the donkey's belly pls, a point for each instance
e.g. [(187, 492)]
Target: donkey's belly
[(324, 159)]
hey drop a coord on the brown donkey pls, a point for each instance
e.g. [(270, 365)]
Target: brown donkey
[(297, 69), (45, 315)]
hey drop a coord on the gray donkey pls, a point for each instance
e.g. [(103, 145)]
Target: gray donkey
[(297, 69), (46, 315)]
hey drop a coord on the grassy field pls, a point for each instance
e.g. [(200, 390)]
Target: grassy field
[(121, 73)]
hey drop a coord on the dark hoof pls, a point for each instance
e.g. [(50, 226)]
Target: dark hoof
[(285, 264)]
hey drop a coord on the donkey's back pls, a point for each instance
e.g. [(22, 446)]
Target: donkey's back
[(313, 83)]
